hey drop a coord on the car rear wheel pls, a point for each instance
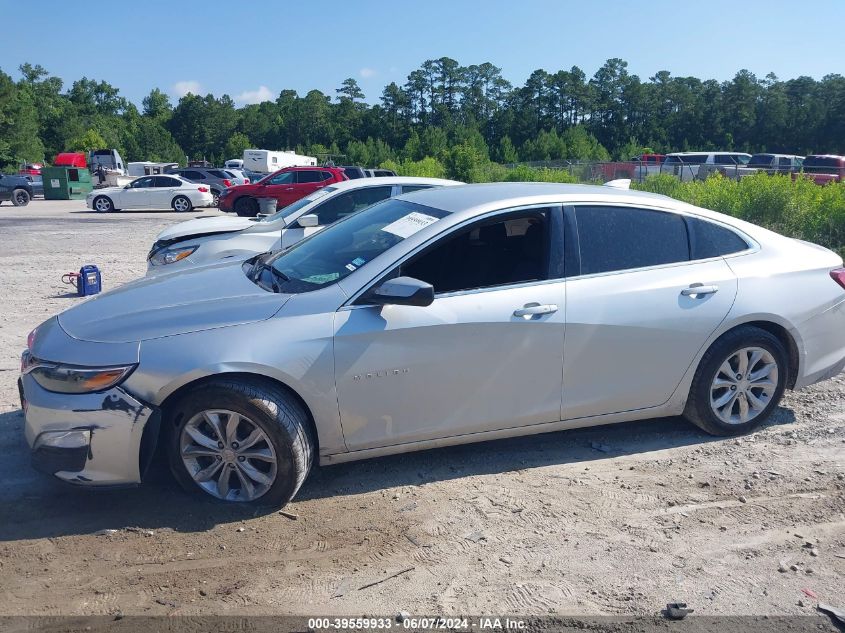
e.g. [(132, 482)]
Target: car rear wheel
[(244, 442), (246, 207), (739, 382), (181, 204), (103, 204), (20, 197), (215, 202)]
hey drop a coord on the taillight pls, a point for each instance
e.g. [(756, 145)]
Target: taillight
[(204, 189), (838, 275), (30, 339), (227, 182)]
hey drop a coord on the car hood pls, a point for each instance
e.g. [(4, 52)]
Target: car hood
[(104, 190), (205, 226), (188, 301)]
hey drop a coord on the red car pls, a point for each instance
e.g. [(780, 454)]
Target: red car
[(286, 186)]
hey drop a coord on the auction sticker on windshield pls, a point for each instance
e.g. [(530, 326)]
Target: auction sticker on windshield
[(410, 224)]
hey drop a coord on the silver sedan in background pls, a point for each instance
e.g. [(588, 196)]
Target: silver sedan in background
[(439, 317)]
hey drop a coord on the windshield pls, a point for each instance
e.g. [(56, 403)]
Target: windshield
[(296, 206), (340, 249)]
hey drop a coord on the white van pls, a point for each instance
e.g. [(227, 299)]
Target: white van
[(687, 165), (266, 162), (234, 163)]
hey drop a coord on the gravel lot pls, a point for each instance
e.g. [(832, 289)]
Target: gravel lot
[(612, 520)]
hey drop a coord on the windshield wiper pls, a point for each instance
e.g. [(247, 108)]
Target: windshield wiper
[(278, 276)]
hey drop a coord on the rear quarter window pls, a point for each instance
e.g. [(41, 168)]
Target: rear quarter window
[(711, 240)]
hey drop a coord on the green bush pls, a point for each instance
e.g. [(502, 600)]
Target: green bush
[(427, 167)]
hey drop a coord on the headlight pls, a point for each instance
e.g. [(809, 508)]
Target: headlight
[(73, 379), (171, 255)]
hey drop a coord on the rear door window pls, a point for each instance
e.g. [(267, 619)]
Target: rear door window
[(308, 175), (623, 238)]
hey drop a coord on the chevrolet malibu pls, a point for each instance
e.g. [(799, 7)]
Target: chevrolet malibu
[(443, 316), (207, 240)]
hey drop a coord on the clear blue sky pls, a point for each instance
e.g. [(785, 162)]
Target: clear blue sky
[(259, 47)]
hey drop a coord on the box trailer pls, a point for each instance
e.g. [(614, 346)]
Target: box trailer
[(149, 168), (266, 161)]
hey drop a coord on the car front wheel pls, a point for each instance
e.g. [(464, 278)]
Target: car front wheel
[(20, 197), (241, 441), (102, 204), (739, 382), (246, 207), (181, 204)]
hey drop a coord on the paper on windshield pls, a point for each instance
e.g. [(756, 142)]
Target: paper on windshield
[(410, 224)]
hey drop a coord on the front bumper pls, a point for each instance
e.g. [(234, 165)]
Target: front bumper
[(94, 439), (224, 203)]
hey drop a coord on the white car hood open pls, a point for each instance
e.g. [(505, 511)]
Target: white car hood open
[(205, 226)]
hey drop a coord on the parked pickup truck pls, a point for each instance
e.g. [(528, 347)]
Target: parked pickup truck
[(15, 188), (824, 168)]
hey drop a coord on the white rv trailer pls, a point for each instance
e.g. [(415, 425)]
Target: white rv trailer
[(266, 162)]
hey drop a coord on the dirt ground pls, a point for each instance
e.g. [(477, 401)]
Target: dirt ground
[(615, 520)]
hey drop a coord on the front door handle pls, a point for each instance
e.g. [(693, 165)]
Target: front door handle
[(532, 309), (699, 290)]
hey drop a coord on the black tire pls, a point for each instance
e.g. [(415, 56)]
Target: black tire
[(184, 202), (267, 405), (246, 207), (20, 197), (103, 204), (698, 410), (216, 198)]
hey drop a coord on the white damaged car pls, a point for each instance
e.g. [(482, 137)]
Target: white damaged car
[(208, 240)]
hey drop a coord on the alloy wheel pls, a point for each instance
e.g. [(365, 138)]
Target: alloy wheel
[(744, 385), (228, 455), (102, 204), (180, 204)]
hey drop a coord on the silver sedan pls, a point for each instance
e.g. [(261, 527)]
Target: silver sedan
[(438, 317)]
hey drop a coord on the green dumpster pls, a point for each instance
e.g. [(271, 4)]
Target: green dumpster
[(66, 183)]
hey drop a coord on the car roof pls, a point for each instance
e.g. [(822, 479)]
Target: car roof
[(499, 195), (381, 181), (465, 202)]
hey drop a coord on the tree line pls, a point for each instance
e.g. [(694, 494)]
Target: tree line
[(460, 116)]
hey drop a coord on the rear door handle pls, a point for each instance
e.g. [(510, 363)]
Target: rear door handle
[(531, 309), (699, 290)]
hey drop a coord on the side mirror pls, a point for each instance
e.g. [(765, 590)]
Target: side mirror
[(404, 291), (308, 220)]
